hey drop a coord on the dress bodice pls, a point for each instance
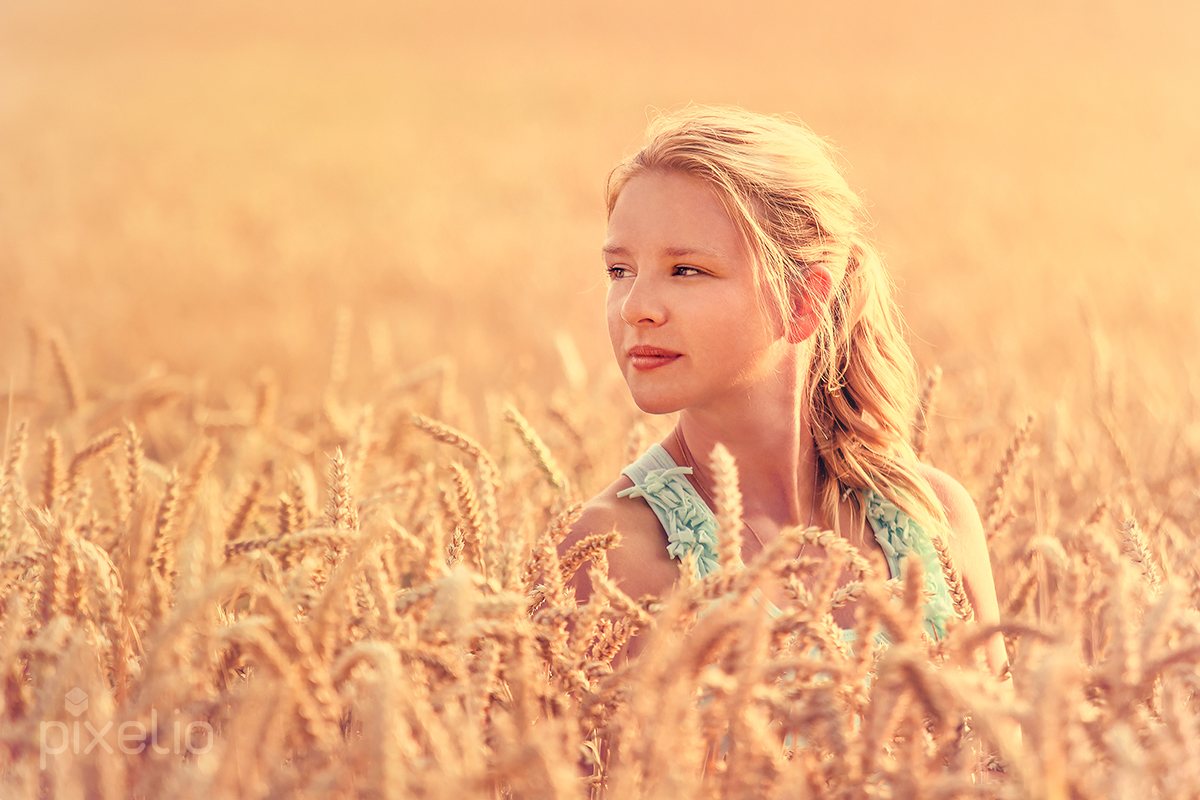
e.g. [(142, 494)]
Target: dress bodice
[(691, 528)]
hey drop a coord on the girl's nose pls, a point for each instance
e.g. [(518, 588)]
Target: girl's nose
[(643, 304)]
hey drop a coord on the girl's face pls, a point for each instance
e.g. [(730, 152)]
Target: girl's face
[(687, 325)]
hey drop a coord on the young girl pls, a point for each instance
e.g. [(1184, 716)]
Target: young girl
[(745, 296)]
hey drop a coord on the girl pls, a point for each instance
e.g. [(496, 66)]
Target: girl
[(745, 296)]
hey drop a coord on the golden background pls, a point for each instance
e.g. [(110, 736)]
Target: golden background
[(263, 234), (197, 189)]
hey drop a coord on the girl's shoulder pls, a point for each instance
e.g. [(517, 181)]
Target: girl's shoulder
[(640, 563), (968, 547), (956, 501), (609, 511)]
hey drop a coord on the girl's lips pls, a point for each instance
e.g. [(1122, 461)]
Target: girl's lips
[(644, 357), (644, 363)]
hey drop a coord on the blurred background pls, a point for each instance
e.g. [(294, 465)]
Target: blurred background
[(205, 189), (265, 232)]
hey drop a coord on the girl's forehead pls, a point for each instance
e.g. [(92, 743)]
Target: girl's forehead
[(673, 211)]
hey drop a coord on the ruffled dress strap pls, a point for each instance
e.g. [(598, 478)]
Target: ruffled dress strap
[(691, 528), (900, 536), (689, 523)]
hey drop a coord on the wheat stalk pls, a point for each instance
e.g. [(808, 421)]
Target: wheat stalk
[(1004, 472), (1138, 550), (97, 447), (537, 447), (341, 513), (245, 510), (1021, 594), (926, 407), (954, 582), (53, 475), (266, 400), (288, 545), (333, 661), (134, 457), (14, 455), (288, 519), (728, 497), (585, 550), (467, 510), (68, 373), (489, 476)]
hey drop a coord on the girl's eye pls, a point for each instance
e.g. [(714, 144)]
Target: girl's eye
[(617, 271), (685, 270)]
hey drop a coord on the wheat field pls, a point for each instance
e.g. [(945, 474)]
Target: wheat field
[(301, 321)]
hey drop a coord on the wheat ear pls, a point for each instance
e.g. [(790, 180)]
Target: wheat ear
[(468, 512), (288, 544), (341, 513), (728, 497), (52, 474), (925, 411), (1003, 473), (173, 513), (545, 558), (14, 457), (954, 581), (1138, 550), (133, 460), (537, 447), (12, 490), (57, 532), (266, 400), (98, 446), (447, 435), (300, 503), (489, 476), (67, 373), (168, 510), (244, 510), (287, 515), (586, 550), (190, 487), (1019, 597)]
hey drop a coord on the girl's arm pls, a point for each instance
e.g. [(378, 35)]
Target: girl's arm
[(639, 565), (968, 551)]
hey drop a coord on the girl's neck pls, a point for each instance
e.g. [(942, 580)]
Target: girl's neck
[(774, 451)]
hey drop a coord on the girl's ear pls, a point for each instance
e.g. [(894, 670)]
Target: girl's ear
[(809, 299)]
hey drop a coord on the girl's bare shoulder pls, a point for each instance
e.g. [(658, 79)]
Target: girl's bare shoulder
[(968, 543), (640, 563), (631, 517), (969, 552), (956, 501)]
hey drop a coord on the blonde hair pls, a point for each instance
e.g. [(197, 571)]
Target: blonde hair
[(783, 188)]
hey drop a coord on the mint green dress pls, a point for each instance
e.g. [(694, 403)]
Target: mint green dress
[(691, 527)]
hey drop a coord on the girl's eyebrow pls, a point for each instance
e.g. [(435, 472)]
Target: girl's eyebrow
[(674, 252), (680, 252)]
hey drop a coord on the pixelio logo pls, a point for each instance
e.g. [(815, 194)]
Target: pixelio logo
[(132, 737), (76, 701)]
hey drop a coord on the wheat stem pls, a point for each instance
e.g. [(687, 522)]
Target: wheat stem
[(1004, 471), (537, 447)]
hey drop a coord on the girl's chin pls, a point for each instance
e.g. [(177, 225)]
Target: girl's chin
[(659, 410), (651, 404)]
